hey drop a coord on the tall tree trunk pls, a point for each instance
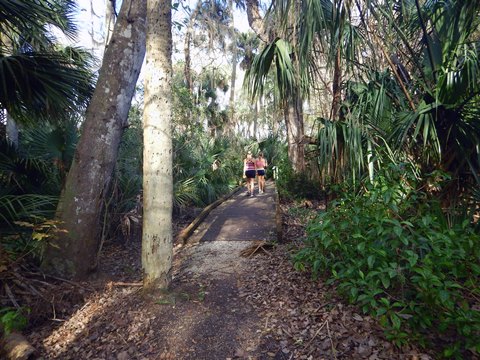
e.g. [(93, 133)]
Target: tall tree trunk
[(73, 253), (11, 126), (336, 85), (157, 152), (94, 18), (234, 70), (11, 130), (109, 20), (294, 120), (255, 120), (255, 20), (187, 70)]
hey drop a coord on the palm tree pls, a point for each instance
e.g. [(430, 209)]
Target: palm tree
[(277, 56), (445, 82), (39, 79), (424, 67)]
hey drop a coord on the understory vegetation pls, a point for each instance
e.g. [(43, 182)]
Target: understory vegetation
[(392, 249)]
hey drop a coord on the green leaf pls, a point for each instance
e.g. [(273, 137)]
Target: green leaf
[(413, 259), (385, 301), (404, 240), (362, 275), (354, 292), (392, 273), (398, 230), (361, 247), (370, 261), (385, 281), (381, 311), (396, 322), (444, 295)]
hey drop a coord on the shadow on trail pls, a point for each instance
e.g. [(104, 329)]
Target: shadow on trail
[(241, 218)]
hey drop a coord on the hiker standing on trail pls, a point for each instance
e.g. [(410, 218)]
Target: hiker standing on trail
[(249, 173), (261, 165)]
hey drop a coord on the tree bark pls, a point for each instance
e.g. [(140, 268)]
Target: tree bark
[(234, 72), (295, 131), (109, 20), (255, 120), (11, 130), (255, 20), (16, 347), (11, 126), (187, 70), (72, 254), (157, 151), (336, 85)]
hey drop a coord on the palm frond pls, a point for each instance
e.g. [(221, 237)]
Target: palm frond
[(21, 207), (42, 85), (31, 18)]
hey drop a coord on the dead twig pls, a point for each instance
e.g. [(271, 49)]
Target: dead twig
[(259, 245), (29, 288), (127, 284), (321, 307), (334, 352), (10, 296), (67, 281), (316, 333)]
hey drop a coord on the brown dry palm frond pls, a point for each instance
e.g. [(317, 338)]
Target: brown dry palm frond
[(257, 247)]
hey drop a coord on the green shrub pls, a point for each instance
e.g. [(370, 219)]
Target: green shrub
[(298, 186), (13, 319), (392, 251)]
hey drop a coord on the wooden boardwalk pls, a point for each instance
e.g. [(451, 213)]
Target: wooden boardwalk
[(241, 218)]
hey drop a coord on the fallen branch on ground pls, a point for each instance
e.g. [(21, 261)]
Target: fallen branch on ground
[(16, 347), (256, 247)]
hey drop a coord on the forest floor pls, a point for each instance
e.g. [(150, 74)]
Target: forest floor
[(221, 305)]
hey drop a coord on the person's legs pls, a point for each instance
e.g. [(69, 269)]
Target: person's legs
[(250, 175)]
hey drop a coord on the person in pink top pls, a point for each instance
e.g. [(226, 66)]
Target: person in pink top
[(249, 173), (261, 165)]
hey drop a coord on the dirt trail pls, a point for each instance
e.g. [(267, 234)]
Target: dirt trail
[(221, 305), (200, 317)]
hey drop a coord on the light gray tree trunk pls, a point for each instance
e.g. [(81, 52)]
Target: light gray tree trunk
[(371, 172), (234, 70), (255, 20), (11, 130), (295, 133), (109, 21), (73, 254), (11, 126), (255, 120), (157, 151), (187, 70)]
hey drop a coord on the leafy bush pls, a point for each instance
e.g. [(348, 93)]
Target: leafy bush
[(298, 186), (13, 319), (393, 252)]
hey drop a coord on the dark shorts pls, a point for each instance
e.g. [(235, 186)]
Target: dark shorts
[(250, 174), (261, 172)]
